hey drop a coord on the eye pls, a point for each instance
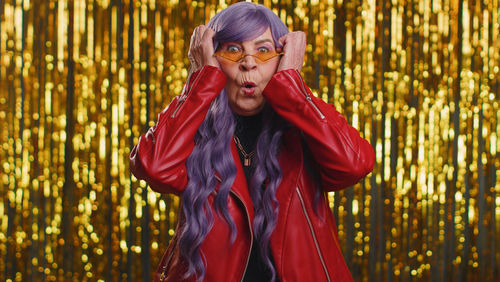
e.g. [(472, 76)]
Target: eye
[(233, 48), (263, 50)]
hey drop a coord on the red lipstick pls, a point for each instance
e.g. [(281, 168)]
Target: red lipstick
[(248, 88)]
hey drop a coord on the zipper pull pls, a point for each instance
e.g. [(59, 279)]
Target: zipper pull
[(308, 97), (179, 104)]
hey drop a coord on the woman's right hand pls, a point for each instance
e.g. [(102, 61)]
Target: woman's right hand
[(201, 48)]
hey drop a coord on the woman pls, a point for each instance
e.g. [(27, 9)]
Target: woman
[(252, 153)]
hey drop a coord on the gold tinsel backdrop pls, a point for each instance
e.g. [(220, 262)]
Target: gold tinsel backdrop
[(81, 80)]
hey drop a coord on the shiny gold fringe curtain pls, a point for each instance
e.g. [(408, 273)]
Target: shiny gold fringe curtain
[(81, 80)]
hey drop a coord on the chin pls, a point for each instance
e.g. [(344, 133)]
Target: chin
[(247, 111)]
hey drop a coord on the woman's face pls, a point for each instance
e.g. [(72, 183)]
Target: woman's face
[(247, 78)]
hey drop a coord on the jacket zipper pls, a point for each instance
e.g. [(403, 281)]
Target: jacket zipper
[(164, 270), (179, 104), (251, 234), (312, 233), (183, 97), (309, 99), (307, 96)]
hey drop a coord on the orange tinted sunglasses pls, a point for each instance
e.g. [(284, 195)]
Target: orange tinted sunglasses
[(236, 56)]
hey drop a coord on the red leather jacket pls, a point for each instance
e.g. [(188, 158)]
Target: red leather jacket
[(304, 243)]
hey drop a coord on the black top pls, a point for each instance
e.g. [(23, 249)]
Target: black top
[(247, 130)]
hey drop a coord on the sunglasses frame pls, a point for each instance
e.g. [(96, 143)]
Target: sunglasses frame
[(219, 54)]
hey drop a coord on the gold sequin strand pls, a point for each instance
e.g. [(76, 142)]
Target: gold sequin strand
[(81, 80)]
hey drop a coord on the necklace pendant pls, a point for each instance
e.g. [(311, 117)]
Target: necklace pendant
[(247, 162)]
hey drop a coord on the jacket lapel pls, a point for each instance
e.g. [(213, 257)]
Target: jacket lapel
[(240, 186)]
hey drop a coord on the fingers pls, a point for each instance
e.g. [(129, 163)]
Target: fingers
[(297, 39), (282, 40), (191, 44), (294, 45), (201, 48), (192, 53), (208, 35), (200, 30), (207, 46)]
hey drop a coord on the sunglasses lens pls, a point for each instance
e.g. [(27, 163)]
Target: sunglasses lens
[(236, 56), (264, 56), (230, 55)]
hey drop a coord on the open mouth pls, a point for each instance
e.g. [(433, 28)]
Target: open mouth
[(248, 88), (249, 85)]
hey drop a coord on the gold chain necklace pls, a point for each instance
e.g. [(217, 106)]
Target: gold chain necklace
[(247, 158)]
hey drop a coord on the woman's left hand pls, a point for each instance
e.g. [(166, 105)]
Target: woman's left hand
[(294, 47)]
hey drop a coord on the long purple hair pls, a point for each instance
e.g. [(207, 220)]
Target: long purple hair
[(239, 22)]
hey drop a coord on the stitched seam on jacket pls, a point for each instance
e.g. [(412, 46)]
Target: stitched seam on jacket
[(282, 261), (301, 169), (251, 232), (313, 234)]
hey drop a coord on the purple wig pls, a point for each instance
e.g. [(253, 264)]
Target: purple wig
[(239, 22)]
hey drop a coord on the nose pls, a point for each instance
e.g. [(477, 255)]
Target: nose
[(248, 63)]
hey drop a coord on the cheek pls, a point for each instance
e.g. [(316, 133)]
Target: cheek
[(269, 70), (231, 73), (230, 70)]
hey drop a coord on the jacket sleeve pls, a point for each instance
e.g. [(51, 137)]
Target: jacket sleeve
[(342, 156), (160, 156)]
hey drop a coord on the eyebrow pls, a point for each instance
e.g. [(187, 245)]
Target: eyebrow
[(264, 40), (255, 43)]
